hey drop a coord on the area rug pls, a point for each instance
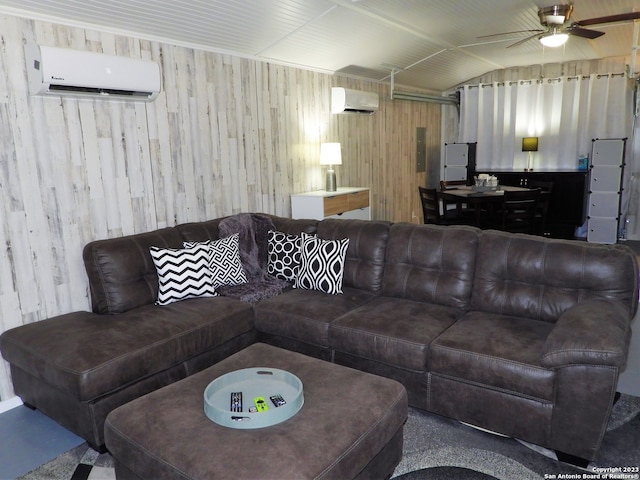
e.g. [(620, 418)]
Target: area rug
[(438, 448)]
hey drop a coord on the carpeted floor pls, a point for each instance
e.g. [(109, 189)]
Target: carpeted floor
[(454, 450), (436, 448)]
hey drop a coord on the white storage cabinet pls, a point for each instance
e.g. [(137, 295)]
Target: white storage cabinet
[(345, 202), (459, 161), (605, 189)]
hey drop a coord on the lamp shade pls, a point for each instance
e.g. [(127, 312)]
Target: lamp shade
[(530, 144), (330, 154), (554, 39)]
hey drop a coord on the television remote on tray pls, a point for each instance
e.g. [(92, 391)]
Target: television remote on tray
[(277, 400), (236, 401)]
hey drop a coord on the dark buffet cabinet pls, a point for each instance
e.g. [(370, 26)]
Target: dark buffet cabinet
[(568, 199)]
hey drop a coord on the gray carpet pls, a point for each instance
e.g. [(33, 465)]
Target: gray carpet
[(436, 448)]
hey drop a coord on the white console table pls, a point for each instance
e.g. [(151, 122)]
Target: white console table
[(346, 202)]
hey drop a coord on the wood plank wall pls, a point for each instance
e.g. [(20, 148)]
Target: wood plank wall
[(226, 135)]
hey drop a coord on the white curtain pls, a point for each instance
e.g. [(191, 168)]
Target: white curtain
[(564, 113)]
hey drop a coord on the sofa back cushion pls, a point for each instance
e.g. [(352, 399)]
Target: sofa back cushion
[(121, 272), (202, 231), (540, 278), (292, 226), (364, 263), (431, 263)]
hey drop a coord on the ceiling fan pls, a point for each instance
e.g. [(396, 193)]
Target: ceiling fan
[(556, 31)]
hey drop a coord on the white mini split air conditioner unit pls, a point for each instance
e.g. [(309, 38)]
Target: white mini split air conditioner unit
[(60, 71), (344, 100)]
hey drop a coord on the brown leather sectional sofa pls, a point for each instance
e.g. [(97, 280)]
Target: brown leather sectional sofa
[(517, 334)]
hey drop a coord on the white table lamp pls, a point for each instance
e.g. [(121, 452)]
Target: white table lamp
[(330, 154)]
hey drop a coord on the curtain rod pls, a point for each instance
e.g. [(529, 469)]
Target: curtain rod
[(538, 80)]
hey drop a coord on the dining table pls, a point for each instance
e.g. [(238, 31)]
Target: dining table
[(481, 199)]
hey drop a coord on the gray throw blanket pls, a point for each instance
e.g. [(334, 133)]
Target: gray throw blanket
[(253, 229)]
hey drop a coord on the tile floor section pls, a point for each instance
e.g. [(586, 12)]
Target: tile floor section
[(29, 439)]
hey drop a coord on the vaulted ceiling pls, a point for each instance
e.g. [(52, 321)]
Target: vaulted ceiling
[(430, 44)]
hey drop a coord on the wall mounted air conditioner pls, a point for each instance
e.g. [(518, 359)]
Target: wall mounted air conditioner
[(60, 71), (344, 100)]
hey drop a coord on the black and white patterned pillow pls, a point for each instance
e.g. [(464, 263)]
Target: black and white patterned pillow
[(182, 273), (224, 261), (283, 255), (321, 264)]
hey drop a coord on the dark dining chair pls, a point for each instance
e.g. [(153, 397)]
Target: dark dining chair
[(518, 210), (540, 227), (461, 209), (431, 205)]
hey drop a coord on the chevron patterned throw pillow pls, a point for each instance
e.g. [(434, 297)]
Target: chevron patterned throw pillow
[(182, 273), (321, 264)]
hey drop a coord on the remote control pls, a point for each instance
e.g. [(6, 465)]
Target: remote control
[(277, 400), (240, 419), (261, 405), (236, 401)]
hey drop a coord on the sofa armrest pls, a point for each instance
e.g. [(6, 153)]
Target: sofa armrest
[(595, 332)]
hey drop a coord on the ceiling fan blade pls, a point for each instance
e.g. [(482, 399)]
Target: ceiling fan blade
[(530, 37), (510, 33), (622, 17), (583, 32)]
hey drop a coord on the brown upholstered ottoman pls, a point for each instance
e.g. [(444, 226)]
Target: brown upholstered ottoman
[(350, 426)]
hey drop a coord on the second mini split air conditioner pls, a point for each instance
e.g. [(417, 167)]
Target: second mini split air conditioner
[(344, 100), (60, 71)]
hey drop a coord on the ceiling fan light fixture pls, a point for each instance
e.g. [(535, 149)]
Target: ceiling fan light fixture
[(554, 39)]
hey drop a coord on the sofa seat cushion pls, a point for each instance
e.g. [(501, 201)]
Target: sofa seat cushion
[(305, 315), (89, 355), (497, 351), (393, 331)]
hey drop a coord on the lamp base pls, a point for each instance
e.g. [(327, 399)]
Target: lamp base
[(330, 184), (529, 163)]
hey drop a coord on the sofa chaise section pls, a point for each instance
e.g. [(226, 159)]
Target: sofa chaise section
[(78, 367)]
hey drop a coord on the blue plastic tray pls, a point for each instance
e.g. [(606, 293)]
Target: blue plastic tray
[(253, 382)]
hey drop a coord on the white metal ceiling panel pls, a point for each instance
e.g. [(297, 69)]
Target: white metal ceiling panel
[(436, 40), (342, 35)]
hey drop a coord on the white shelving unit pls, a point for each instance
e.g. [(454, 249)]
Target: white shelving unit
[(345, 202), (605, 189), (459, 158)]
